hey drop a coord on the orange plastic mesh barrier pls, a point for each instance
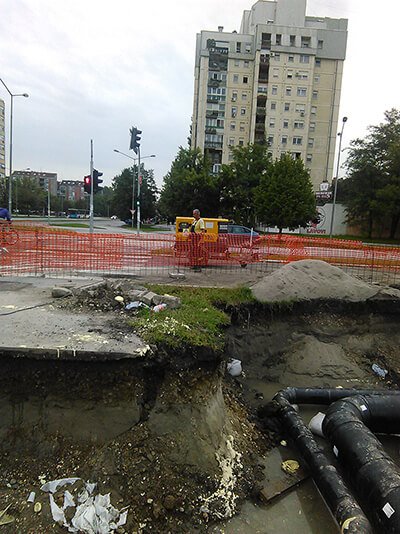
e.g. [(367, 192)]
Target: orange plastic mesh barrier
[(39, 249)]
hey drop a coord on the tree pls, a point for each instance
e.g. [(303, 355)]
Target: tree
[(239, 180), (30, 196), (189, 185), (122, 185), (285, 195), (373, 185)]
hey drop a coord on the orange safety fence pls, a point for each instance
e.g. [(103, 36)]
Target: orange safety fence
[(39, 249)]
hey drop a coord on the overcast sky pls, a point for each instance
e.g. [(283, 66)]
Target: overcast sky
[(93, 69)]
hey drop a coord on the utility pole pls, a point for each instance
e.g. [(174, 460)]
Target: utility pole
[(91, 188)]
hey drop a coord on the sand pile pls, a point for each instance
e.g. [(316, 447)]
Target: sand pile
[(313, 279)]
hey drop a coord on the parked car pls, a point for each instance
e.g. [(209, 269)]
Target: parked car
[(237, 229)]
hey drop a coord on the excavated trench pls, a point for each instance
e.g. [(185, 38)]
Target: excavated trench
[(177, 439)]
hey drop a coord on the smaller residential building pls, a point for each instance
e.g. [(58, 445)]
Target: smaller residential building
[(43, 179), (71, 190)]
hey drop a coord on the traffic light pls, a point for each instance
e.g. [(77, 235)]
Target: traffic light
[(135, 139), (87, 184), (96, 180)]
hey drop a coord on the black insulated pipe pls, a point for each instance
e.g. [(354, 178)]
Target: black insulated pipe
[(349, 425), (345, 509)]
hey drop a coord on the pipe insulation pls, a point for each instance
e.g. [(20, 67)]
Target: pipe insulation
[(350, 425)]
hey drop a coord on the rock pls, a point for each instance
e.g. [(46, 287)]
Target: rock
[(147, 298), (59, 292), (169, 502), (157, 510)]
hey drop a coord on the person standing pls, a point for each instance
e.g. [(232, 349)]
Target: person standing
[(197, 229), (5, 214)]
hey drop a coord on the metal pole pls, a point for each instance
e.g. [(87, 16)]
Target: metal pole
[(48, 200), (138, 194), (340, 134), (133, 193), (11, 146), (91, 188)]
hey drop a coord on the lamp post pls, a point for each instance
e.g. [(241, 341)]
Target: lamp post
[(133, 178), (12, 95), (340, 134)]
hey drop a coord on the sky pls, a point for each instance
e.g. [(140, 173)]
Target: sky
[(94, 69)]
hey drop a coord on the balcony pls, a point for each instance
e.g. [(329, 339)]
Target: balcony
[(211, 114), (260, 127), (262, 89), (213, 144), (210, 130), (261, 110)]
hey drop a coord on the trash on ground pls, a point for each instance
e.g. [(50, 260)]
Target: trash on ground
[(290, 466), (31, 497), (315, 425), (159, 307), (234, 367), (283, 443), (5, 518), (118, 298), (38, 507), (94, 514), (134, 305), (379, 371)]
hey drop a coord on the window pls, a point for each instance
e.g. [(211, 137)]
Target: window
[(317, 62), (241, 127), (221, 107), (235, 78), (234, 112), (231, 141), (302, 91), (270, 140), (277, 56), (278, 38), (287, 106), (233, 126), (230, 157), (275, 73), (246, 64), (304, 59), (292, 40), (243, 111), (291, 59), (244, 96), (272, 122), (237, 62), (305, 42), (310, 142), (245, 79), (286, 124), (284, 139), (290, 74), (309, 158), (248, 48), (298, 125), (297, 140), (302, 75), (288, 91), (234, 96), (313, 110), (315, 95), (320, 44), (316, 78), (273, 105), (312, 126), (300, 108), (241, 141), (238, 47), (274, 90)]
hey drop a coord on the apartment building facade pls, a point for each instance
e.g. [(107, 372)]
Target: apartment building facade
[(2, 141), (277, 81)]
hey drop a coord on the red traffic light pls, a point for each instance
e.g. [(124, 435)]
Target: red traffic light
[(87, 184)]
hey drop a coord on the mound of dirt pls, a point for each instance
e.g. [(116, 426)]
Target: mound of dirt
[(314, 279)]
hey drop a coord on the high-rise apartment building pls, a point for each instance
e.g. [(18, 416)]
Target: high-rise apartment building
[(277, 81), (2, 141)]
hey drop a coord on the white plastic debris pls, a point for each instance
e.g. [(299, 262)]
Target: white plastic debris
[(159, 307), (94, 513), (234, 367), (315, 425), (31, 497)]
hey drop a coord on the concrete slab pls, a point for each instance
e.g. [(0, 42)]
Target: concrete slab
[(31, 326)]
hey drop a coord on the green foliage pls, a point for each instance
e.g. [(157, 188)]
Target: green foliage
[(372, 190), (29, 195), (123, 186), (285, 196), (189, 185), (102, 202), (239, 180), (198, 322)]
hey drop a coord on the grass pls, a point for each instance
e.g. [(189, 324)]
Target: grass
[(143, 228), (70, 224), (199, 322)]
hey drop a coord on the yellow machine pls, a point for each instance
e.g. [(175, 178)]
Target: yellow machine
[(214, 227)]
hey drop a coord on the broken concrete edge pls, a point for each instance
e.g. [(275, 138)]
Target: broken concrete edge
[(42, 353)]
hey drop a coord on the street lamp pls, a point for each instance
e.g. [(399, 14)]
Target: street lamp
[(340, 134), (11, 141), (133, 178)]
